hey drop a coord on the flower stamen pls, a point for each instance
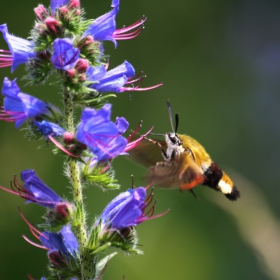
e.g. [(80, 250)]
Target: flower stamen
[(6, 58), (124, 34)]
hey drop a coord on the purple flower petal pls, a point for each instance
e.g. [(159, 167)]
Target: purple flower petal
[(104, 26), (38, 191), (65, 54), (126, 209), (22, 50), (115, 3), (19, 105), (49, 128), (57, 4), (123, 69), (114, 148), (122, 125), (64, 241), (113, 80), (96, 73), (100, 134)]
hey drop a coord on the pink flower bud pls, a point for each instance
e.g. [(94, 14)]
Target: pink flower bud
[(63, 10), (71, 73), (41, 12), (83, 78), (74, 4), (81, 65), (68, 137), (52, 25), (63, 210)]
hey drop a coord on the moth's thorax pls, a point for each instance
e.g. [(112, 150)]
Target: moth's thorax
[(174, 145), (197, 151)]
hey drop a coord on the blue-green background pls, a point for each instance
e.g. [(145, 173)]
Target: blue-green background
[(219, 61)]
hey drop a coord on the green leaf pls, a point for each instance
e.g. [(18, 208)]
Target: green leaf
[(101, 265)]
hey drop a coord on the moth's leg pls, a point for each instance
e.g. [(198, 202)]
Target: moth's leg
[(159, 145)]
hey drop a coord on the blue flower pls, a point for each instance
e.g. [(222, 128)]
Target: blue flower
[(62, 246), (59, 213), (102, 136), (19, 106), (49, 128), (113, 80), (125, 210), (21, 50), (65, 54), (128, 209), (116, 79), (104, 26), (64, 242), (34, 190), (115, 3)]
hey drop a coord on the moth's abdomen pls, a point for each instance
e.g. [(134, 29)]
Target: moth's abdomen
[(218, 180), (227, 187)]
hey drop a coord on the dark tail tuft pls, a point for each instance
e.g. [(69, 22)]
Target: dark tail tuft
[(234, 194)]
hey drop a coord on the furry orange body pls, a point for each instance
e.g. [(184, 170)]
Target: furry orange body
[(185, 164), (180, 161)]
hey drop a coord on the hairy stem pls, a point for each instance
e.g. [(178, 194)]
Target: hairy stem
[(87, 268)]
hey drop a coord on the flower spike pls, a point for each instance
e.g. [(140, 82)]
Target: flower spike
[(69, 48)]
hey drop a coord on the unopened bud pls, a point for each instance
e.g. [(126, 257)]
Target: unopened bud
[(63, 10), (74, 4), (84, 42), (52, 25), (71, 73), (82, 78), (41, 12), (81, 65), (68, 137), (63, 210)]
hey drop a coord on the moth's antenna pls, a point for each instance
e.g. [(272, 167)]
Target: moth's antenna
[(176, 122), (170, 115)]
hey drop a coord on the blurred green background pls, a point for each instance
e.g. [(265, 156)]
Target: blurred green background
[(219, 61)]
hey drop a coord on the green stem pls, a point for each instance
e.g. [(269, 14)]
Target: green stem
[(87, 267)]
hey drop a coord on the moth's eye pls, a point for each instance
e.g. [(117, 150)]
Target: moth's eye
[(173, 139)]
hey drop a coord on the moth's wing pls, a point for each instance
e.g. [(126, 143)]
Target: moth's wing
[(184, 173), (147, 154), (191, 176), (163, 175)]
